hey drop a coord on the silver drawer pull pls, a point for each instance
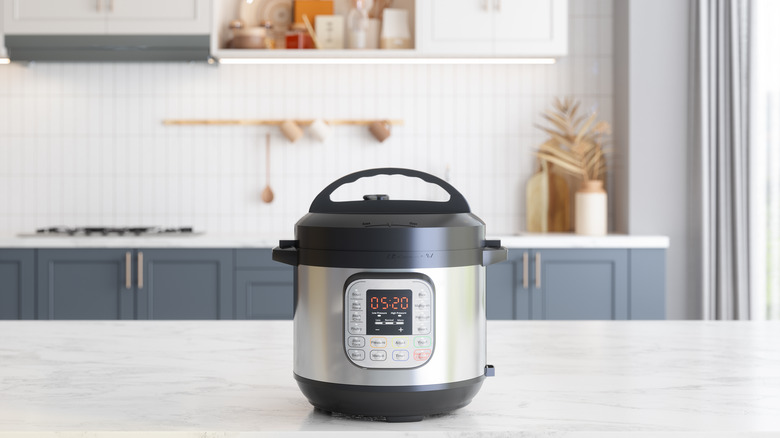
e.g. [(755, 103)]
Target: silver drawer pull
[(538, 270), (128, 283), (140, 270), (525, 270)]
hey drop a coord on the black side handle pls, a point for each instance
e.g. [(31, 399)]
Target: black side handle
[(286, 252), (456, 204)]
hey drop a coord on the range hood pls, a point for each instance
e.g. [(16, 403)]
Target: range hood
[(131, 48)]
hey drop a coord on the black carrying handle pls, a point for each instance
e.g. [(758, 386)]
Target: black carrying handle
[(456, 204)]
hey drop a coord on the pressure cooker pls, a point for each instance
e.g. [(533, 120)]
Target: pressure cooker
[(389, 302)]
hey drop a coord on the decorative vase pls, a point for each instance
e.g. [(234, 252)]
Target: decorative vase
[(590, 209)]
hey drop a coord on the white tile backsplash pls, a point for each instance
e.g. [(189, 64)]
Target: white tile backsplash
[(84, 144)]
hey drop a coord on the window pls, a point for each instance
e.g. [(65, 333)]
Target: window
[(765, 159)]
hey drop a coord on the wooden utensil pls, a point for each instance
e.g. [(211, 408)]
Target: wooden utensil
[(268, 194)]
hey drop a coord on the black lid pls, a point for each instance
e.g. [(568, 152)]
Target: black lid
[(393, 228)]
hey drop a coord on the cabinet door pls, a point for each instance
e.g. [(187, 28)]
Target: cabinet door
[(462, 27), (84, 284), (580, 284), (185, 284), (264, 293), (133, 17), (648, 283), (264, 288), (507, 297), (531, 27), (54, 16), (17, 280)]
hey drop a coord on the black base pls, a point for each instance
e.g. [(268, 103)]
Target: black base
[(395, 403)]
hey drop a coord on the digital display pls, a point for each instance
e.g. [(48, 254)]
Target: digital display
[(389, 312)]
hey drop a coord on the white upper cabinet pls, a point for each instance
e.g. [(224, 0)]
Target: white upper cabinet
[(520, 28), (129, 17)]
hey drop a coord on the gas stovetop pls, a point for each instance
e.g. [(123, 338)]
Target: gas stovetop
[(113, 231)]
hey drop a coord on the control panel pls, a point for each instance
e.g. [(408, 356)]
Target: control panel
[(388, 323)]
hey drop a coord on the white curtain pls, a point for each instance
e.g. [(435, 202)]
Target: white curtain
[(720, 113)]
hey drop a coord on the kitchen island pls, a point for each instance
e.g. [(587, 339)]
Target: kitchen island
[(234, 378)]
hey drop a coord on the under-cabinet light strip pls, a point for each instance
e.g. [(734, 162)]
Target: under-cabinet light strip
[(5, 61), (501, 61)]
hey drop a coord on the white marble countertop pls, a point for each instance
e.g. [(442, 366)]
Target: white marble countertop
[(234, 379), (540, 241)]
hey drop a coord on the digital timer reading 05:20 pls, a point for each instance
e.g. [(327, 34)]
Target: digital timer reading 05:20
[(389, 303), (389, 312)]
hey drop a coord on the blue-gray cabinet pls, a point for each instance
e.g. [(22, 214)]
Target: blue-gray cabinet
[(17, 283), (185, 284), (560, 284), (85, 284), (264, 288), (134, 284)]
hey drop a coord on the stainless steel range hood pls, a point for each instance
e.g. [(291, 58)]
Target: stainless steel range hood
[(107, 47)]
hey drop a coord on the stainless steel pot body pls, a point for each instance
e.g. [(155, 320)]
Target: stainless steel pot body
[(459, 337)]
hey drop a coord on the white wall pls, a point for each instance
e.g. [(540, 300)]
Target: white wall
[(652, 119), (84, 143)]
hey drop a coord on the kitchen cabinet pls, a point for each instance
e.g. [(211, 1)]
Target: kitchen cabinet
[(561, 284), (85, 284), (523, 28), (17, 280), (185, 284), (264, 288), (125, 17), (134, 284)]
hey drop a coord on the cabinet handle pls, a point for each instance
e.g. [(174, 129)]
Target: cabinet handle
[(525, 270), (538, 270), (128, 283), (140, 270), (99, 5), (498, 5), (485, 6)]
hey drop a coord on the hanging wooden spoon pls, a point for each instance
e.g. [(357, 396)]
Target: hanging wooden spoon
[(268, 194)]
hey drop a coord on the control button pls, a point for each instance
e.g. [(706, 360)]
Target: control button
[(422, 329), (356, 317), (356, 305), (421, 306), (357, 354), (356, 341), (400, 355), (422, 294), (356, 328), (378, 342), (422, 354), (422, 342), (356, 295), (400, 342), (378, 355), (423, 317)]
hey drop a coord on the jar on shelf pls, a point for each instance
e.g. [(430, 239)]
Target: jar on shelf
[(246, 37), (270, 35), (298, 37)]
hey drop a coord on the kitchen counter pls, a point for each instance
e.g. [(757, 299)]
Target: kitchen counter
[(537, 241), (586, 379)]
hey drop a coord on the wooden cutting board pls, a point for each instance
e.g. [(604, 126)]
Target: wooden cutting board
[(548, 202)]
